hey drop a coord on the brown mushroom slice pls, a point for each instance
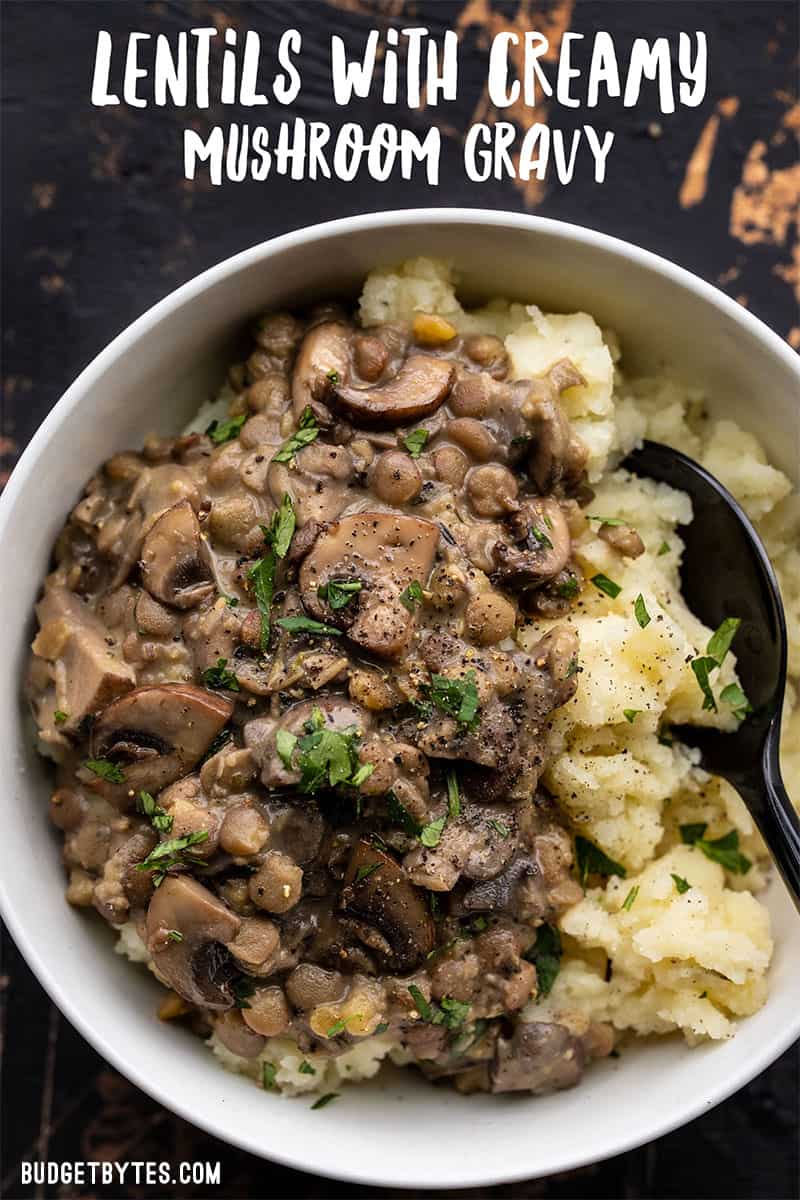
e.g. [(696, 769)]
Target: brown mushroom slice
[(174, 559), (540, 545), (156, 734), (558, 456), (316, 482), (197, 967), (378, 892), (539, 1057), (323, 359), (421, 386), (386, 552), (87, 673)]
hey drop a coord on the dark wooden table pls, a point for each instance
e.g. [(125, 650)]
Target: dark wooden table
[(99, 224)]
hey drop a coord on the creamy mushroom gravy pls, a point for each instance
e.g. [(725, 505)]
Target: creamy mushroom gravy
[(296, 741)]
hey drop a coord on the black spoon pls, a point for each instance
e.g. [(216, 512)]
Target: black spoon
[(726, 573)]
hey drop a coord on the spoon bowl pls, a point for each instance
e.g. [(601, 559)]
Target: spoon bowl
[(725, 572)]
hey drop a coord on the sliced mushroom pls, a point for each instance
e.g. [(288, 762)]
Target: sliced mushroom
[(538, 1058), (87, 672), (539, 548), (260, 735), (622, 538), (174, 559), (324, 358), (384, 551), (558, 456), (316, 482), (378, 892), (155, 735), (421, 386), (197, 967)]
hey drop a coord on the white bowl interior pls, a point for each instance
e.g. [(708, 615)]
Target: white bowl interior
[(398, 1131)]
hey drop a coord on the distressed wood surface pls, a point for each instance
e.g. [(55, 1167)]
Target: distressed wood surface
[(99, 224)]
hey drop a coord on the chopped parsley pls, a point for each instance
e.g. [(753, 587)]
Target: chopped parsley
[(568, 589), (573, 668), (384, 1025), (104, 768), (280, 531), (733, 695), (400, 815), (285, 743), (720, 641), (339, 592), (220, 678), (610, 521), (415, 441), (591, 860), (175, 935), (328, 1098), (630, 899), (278, 536), (367, 870), (225, 431), (723, 850), (412, 595), (307, 432), (502, 830), (171, 854), (307, 625), (540, 538), (448, 1012), (630, 714), (453, 795), (325, 757), (681, 885), (333, 376), (702, 668), (268, 1073), (431, 834), (159, 819), (458, 697), (604, 584), (545, 954), (59, 716), (306, 1068), (337, 1027), (231, 601), (664, 548), (640, 611)]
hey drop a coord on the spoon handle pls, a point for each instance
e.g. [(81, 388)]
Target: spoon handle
[(775, 815)]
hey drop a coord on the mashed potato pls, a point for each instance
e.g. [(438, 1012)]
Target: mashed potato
[(690, 955)]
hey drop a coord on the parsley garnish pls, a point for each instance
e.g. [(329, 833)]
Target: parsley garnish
[(540, 538), (720, 641), (448, 1012), (328, 757), (307, 432), (337, 1027), (453, 795), (175, 935), (423, 1007), (285, 743), (723, 850), (733, 695), (307, 625), (105, 769), (278, 536), (415, 442), (630, 899), (328, 1098), (611, 521), (568, 589), (159, 819), (573, 668), (171, 854), (432, 833), (268, 1073), (682, 885), (384, 1025), (367, 870), (499, 828), (591, 860), (664, 548), (59, 716), (412, 595), (225, 431), (630, 714), (604, 584), (339, 592), (220, 678), (334, 376), (306, 1068), (458, 697), (545, 954), (702, 667), (280, 531), (231, 601), (400, 815), (640, 611)]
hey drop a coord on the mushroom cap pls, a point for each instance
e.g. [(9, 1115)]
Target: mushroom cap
[(385, 898), (157, 734), (422, 385), (174, 558), (541, 545), (195, 967), (387, 551), (539, 1057), (324, 354)]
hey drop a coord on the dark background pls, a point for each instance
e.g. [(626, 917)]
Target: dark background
[(98, 224)]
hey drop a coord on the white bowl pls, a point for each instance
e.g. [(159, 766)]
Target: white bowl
[(399, 1131)]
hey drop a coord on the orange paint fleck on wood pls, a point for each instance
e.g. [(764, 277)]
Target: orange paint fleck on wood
[(728, 107), (765, 203), (793, 337), (695, 181)]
